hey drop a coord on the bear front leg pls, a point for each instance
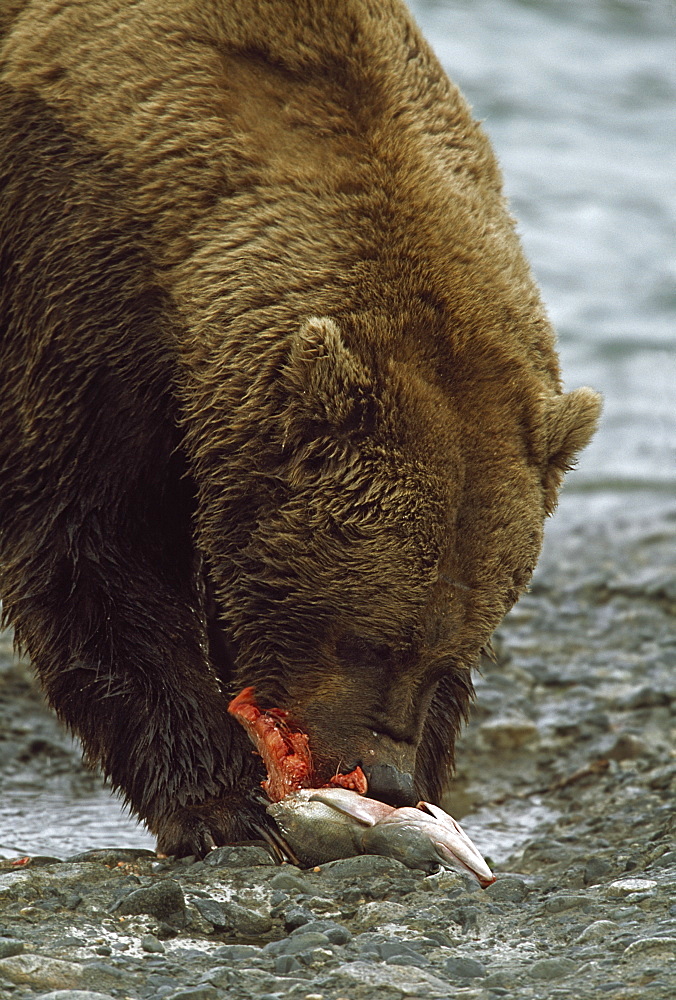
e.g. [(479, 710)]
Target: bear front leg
[(114, 628)]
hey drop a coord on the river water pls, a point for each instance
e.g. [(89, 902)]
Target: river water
[(579, 98)]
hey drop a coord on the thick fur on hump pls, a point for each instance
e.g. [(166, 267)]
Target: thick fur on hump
[(280, 403)]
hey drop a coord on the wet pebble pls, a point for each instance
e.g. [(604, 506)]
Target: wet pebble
[(10, 946), (551, 968), (599, 930), (464, 968), (164, 900), (507, 889), (74, 995)]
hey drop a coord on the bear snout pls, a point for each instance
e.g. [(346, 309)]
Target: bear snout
[(388, 784)]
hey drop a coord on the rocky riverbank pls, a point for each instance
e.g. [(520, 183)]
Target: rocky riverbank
[(566, 781)]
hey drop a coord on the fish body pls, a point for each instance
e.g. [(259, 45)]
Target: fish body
[(322, 825)]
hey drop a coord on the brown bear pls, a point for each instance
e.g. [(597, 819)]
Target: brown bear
[(280, 402)]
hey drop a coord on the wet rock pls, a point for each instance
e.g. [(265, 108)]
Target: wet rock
[(212, 911), (656, 949), (626, 746), (375, 914), (195, 993), (595, 869), (237, 952), (625, 887), (599, 930), (246, 922), (364, 866), (567, 901), (336, 933), (75, 995), (10, 946), (663, 777), (302, 942), (296, 916), (112, 856), (508, 733), (289, 882), (40, 971), (164, 900), (409, 981), (151, 945), (546, 852), (643, 696), (551, 968), (464, 968), (239, 856), (507, 888)]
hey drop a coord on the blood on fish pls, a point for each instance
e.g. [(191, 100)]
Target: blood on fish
[(285, 750)]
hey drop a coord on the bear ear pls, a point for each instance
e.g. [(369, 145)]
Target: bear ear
[(330, 385), (570, 422)]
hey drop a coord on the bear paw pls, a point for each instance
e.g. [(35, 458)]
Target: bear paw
[(198, 829)]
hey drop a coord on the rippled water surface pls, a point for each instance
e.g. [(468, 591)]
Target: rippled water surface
[(579, 98), (56, 824)]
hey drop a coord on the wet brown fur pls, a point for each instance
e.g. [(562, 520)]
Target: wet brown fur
[(280, 402)]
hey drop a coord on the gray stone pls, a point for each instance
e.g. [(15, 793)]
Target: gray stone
[(10, 946), (414, 960), (238, 952), (195, 993), (244, 921), (151, 945), (288, 881), (600, 930), (296, 917), (364, 866), (409, 981), (459, 967), (164, 900), (595, 869), (336, 933), (41, 971), (74, 995), (551, 968), (394, 948), (625, 887), (657, 948), (239, 856), (644, 696), (299, 943), (212, 911), (507, 888), (285, 964), (547, 852), (566, 901), (376, 914), (666, 860)]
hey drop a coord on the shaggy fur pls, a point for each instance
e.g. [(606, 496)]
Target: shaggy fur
[(280, 402)]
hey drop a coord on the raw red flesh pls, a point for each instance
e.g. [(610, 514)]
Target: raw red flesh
[(285, 750)]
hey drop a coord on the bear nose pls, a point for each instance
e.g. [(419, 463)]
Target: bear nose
[(389, 785)]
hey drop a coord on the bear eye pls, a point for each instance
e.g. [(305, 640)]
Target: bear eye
[(355, 650)]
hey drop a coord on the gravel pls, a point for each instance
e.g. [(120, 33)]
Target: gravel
[(566, 781)]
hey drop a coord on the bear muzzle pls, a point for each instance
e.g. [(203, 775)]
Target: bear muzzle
[(388, 784)]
